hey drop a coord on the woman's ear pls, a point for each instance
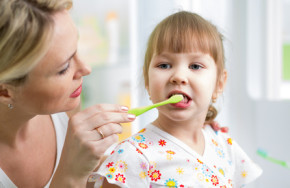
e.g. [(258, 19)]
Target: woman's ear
[(6, 94)]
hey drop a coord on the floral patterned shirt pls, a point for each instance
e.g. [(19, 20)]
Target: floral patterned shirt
[(153, 158)]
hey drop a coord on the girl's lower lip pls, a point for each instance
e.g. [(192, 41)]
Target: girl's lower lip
[(182, 104), (77, 92)]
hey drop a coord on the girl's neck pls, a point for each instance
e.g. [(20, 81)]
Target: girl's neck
[(189, 132)]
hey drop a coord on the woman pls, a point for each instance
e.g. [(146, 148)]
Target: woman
[(40, 77)]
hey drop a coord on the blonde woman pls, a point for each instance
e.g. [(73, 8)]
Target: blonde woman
[(41, 79)]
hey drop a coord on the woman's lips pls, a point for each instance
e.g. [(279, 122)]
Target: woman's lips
[(77, 92)]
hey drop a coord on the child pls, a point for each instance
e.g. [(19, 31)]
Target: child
[(184, 56)]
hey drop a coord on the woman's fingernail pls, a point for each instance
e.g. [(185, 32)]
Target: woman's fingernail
[(131, 116), (225, 129), (124, 108)]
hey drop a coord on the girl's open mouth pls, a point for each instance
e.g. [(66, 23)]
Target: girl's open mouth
[(184, 103)]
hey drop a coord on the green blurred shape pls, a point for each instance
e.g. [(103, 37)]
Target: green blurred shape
[(286, 62)]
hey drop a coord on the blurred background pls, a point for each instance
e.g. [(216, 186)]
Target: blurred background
[(256, 103)]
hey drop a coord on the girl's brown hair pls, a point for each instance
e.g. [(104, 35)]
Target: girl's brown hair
[(186, 32)]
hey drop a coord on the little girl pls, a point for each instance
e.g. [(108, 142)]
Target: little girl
[(185, 56)]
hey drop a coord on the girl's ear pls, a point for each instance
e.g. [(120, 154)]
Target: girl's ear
[(221, 84), (147, 89), (6, 94)]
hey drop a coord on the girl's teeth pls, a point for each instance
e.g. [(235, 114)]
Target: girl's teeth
[(185, 99)]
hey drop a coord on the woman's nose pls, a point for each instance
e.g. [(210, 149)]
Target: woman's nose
[(82, 69), (179, 77)]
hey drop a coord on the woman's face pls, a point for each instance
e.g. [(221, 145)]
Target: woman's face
[(55, 84)]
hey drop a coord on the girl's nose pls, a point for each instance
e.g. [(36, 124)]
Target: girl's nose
[(179, 77), (82, 69)]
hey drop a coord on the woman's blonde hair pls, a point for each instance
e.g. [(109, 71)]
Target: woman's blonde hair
[(25, 30), (185, 32)]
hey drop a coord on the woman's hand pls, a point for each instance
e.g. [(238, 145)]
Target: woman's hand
[(84, 145), (215, 125)]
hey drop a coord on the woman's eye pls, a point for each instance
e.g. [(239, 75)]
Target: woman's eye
[(164, 66), (63, 71), (195, 66)]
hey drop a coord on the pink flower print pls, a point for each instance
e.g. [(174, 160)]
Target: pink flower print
[(162, 142), (143, 165), (110, 164), (121, 166), (120, 178), (112, 152), (152, 166)]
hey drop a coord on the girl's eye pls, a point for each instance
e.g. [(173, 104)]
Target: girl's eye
[(63, 71), (195, 66), (164, 66)]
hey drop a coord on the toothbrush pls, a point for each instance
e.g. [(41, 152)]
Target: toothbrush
[(265, 155), (173, 99)]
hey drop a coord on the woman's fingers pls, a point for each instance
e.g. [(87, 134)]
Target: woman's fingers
[(100, 108), (103, 132), (104, 118), (215, 126), (101, 146), (98, 118)]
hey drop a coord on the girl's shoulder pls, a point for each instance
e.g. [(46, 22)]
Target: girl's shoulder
[(218, 137)]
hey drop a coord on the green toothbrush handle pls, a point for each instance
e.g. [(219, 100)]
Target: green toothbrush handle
[(141, 110), (138, 111)]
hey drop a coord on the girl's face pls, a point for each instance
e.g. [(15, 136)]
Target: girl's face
[(192, 74), (55, 84)]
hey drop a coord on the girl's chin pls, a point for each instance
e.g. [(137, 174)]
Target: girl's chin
[(178, 116)]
